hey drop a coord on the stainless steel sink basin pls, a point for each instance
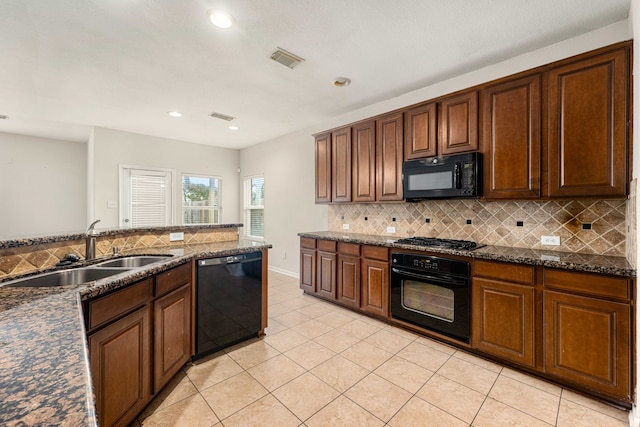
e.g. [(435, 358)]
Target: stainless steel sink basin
[(132, 261), (65, 277)]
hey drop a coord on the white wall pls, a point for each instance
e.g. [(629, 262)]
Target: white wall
[(42, 186), (112, 148), (292, 186), (288, 165)]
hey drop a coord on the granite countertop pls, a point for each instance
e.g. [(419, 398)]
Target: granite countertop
[(616, 266), (43, 350)]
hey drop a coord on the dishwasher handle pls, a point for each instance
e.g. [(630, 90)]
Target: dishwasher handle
[(231, 259)]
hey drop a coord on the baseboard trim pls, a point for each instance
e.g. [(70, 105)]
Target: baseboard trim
[(285, 272)]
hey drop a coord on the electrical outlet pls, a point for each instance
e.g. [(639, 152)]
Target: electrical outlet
[(112, 204), (391, 229), (345, 226), (550, 240), (175, 237)]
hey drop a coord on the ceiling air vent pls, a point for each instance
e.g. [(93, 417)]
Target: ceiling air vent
[(285, 58), (221, 116)]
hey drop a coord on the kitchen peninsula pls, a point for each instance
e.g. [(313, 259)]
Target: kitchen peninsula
[(43, 345)]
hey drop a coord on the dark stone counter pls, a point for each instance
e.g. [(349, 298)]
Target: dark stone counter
[(616, 266), (45, 376)]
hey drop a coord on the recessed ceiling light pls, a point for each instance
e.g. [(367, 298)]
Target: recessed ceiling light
[(175, 113), (233, 127), (221, 19), (341, 81), (3, 117)]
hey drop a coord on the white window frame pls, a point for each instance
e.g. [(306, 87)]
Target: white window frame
[(124, 195), (247, 207), (217, 207)]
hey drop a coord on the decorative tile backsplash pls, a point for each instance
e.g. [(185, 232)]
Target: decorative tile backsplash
[(632, 226), (584, 226), (25, 259)]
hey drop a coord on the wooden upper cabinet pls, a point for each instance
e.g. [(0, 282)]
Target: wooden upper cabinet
[(323, 168), (341, 165), (587, 116), (511, 139), (389, 157), (458, 122), (420, 132), (364, 162)]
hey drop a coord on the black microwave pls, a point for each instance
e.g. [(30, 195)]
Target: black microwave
[(445, 177)]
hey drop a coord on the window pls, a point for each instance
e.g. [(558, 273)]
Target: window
[(254, 206), (201, 200), (147, 197)]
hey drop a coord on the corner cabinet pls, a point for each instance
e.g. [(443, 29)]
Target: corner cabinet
[(587, 331), (138, 337), (588, 120), (503, 312)]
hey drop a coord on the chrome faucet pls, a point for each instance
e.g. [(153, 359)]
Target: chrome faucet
[(90, 247)]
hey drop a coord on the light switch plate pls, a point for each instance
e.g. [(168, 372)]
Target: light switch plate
[(550, 240), (391, 229), (175, 237)]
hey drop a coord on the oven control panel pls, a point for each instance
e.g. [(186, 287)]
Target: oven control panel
[(430, 263)]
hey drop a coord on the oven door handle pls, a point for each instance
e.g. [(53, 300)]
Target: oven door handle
[(445, 279)]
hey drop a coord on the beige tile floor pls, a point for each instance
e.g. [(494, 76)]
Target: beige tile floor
[(322, 365)]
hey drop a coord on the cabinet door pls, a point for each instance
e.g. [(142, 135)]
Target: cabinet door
[(375, 287), (326, 275), (458, 121), (341, 165), (120, 356), (323, 168), (420, 132), (587, 342), (588, 114), (308, 270), (172, 334), (389, 156), (364, 162), (511, 139), (349, 280), (503, 320)]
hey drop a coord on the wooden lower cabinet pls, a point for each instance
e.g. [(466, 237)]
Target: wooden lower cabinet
[(348, 274), (134, 352), (503, 311), (308, 265), (587, 342), (375, 280), (504, 320), (172, 335), (120, 357), (326, 274)]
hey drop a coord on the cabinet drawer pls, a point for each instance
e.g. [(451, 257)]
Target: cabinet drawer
[(306, 242), (109, 307), (327, 245), (504, 271), (375, 252), (173, 279), (349, 248), (594, 284)]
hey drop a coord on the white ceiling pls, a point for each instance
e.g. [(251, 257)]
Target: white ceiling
[(68, 65)]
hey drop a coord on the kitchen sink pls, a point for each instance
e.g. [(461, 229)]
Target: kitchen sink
[(132, 261), (65, 277)]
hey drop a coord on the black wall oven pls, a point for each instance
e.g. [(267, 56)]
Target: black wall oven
[(432, 293)]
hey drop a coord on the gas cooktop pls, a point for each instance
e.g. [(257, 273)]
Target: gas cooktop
[(439, 243)]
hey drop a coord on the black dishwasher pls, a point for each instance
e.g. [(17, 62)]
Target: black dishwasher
[(228, 301)]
